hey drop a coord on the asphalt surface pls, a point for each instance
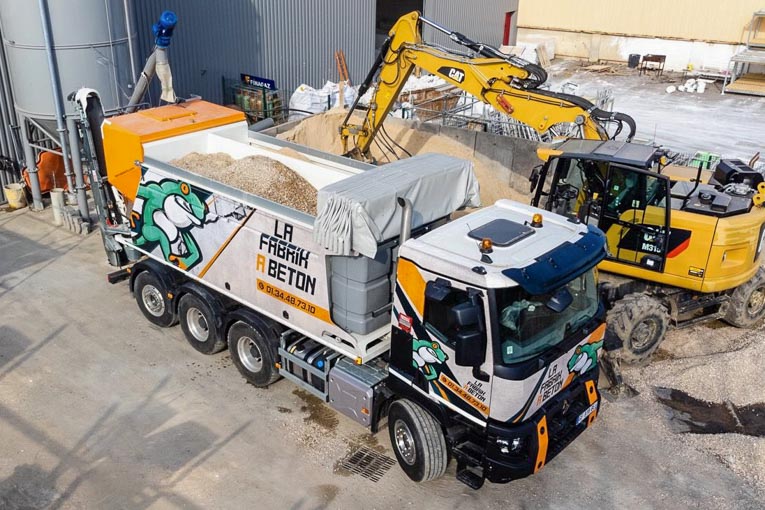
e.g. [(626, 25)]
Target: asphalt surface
[(100, 409)]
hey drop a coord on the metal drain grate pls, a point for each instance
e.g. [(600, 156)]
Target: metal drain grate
[(367, 463)]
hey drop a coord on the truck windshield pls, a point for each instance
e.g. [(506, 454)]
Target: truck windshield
[(531, 324)]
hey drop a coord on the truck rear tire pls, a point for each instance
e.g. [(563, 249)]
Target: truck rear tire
[(198, 325), (417, 440), (253, 351), (640, 322), (151, 296), (747, 302)]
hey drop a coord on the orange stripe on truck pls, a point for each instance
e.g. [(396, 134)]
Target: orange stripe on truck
[(410, 279), (542, 440)]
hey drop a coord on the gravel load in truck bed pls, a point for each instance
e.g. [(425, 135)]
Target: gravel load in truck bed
[(258, 175)]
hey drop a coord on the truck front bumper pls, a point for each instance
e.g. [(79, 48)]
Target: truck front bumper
[(515, 451)]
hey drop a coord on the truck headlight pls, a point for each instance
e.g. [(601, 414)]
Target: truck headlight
[(508, 446)]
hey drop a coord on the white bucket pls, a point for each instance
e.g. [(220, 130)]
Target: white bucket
[(15, 195)]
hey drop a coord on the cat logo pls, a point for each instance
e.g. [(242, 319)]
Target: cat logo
[(453, 73)]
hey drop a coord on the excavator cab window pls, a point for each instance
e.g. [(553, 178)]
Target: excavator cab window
[(634, 214), (574, 188)]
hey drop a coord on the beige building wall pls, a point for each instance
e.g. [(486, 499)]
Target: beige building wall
[(715, 21)]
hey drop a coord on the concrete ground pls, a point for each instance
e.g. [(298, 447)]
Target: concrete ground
[(732, 125), (99, 409)]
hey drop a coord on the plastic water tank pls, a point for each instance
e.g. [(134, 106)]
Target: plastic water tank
[(91, 45)]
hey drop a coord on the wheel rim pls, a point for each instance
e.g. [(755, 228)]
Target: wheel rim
[(404, 442), (756, 302), (644, 334), (197, 324), (249, 354), (153, 300)]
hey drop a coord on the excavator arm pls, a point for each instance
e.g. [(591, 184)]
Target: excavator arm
[(508, 83)]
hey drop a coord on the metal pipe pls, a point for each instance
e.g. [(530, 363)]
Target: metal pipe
[(29, 157), (58, 99), (74, 144), (7, 99), (131, 51), (143, 83), (406, 219)]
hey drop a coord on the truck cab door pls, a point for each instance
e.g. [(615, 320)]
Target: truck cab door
[(453, 358), (634, 213)]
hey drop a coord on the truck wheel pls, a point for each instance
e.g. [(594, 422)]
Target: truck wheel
[(640, 321), (198, 325), (151, 296), (747, 302), (254, 353), (418, 441)]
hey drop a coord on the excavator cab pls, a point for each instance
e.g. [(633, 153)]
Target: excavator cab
[(609, 185), (684, 243)]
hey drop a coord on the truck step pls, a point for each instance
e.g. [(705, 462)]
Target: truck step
[(469, 464), (469, 453), (471, 477)]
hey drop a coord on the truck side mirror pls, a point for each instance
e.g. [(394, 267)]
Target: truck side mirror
[(465, 315), (470, 348)]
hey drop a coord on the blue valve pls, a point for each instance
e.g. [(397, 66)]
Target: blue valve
[(163, 28)]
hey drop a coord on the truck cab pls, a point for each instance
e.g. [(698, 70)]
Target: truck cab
[(496, 328)]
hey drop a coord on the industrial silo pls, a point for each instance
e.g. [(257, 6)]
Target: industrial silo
[(90, 45)]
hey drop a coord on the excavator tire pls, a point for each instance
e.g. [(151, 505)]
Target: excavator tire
[(747, 302), (640, 321)]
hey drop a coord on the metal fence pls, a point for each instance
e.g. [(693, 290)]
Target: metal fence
[(470, 113)]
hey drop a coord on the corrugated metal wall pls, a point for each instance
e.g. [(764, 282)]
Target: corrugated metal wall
[(289, 41), (703, 20), (480, 21), (8, 147)]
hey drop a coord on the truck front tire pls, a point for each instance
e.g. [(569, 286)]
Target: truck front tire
[(747, 302), (640, 322), (417, 440), (198, 324), (151, 296), (254, 353)]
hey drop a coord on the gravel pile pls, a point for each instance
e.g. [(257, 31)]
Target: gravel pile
[(715, 363), (258, 175), (320, 132)]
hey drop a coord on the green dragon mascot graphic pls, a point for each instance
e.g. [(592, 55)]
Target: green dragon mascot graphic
[(170, 210), (584, 357), (427, 353)]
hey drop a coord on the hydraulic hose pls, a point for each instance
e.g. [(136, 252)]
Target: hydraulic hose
[(595, 112)]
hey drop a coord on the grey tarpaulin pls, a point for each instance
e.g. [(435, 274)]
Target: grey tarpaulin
[(358, 213)]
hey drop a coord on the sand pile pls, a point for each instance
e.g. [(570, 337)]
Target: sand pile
[(258, 175), (321, 132)]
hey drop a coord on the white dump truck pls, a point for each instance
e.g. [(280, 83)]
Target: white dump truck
[(475, 339)]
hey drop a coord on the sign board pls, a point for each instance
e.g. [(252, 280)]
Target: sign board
[(256, 81)]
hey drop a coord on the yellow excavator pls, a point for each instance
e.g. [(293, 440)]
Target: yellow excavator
[(506, 82), (684, 242)]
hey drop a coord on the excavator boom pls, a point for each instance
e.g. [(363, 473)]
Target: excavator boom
[(508, 83)]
